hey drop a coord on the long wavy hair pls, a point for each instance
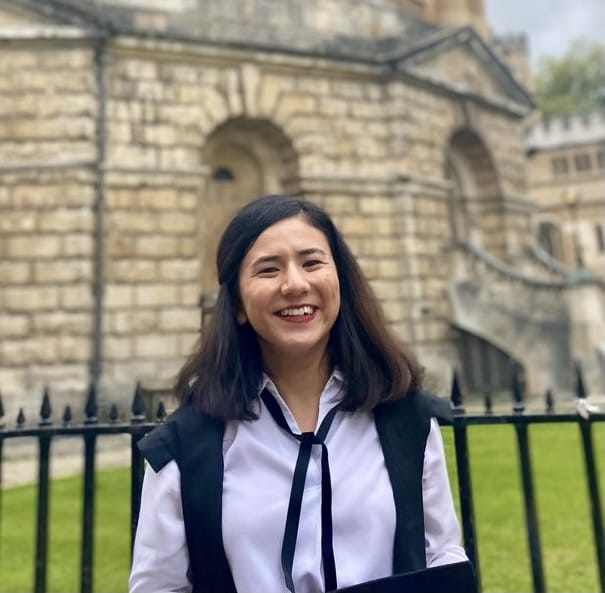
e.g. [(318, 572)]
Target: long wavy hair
[(223, 374)]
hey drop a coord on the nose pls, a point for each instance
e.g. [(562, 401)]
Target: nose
[(294, 281)]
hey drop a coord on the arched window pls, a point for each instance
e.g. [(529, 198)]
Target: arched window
[(549, 238), (223, 174)]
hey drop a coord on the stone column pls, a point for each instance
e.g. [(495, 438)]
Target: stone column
[(425, 234)]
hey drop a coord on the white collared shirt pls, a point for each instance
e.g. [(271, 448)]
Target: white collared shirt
[(259, 460)]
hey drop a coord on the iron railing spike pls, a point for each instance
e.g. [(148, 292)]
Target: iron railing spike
[(517, 389), (91, 408), (161, 412), (550, 401), (20, 418), (113, 413), (456, 394), (138, 405), (581, 391), (45, 409), (67, 415), (487, 400)]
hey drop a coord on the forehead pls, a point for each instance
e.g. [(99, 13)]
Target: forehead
[(290, 234)]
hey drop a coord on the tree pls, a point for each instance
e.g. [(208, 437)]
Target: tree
[(573, 83)]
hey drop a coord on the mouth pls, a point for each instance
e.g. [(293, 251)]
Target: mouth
[(297, 312)]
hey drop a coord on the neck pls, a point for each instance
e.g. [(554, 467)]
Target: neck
[(300, 383)]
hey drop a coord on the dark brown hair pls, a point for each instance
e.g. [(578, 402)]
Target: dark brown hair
[(223, 374)]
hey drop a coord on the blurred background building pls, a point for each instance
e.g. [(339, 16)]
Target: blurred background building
[(566, 160), (131, 130)]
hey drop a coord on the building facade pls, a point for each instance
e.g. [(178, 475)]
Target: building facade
[(566, 172), (131, 131)]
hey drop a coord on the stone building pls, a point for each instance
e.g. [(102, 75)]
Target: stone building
[(566, 173), (513, 50), (131, 130)]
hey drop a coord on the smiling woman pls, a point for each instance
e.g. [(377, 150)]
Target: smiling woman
[(222, 376), (290, 295), (303, 455)]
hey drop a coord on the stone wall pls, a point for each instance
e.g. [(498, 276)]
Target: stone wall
[(371, 150), (47, 191), (151, 315)]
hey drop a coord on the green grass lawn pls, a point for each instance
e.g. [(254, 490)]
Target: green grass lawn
[(111, 541), (565, 529), (566, 535)]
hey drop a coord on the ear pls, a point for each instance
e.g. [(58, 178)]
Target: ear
[(241, 316)]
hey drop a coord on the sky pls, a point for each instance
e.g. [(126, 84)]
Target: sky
[(551, 25)]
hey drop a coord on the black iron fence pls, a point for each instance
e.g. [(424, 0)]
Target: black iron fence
[(140, 423), (583, 417), (89, 431)]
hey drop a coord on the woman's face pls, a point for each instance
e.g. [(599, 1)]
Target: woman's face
[(289, 290)]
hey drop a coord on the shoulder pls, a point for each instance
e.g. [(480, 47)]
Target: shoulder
[(434, 406), (183, 431), (418, 403), (404, 426)]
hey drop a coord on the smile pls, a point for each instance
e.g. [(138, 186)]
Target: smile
[(297, 311)]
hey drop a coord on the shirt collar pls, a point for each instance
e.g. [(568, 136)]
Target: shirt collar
[(331, 394)]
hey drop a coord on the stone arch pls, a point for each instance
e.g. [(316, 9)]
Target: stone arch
[(245, 158), (475, 199)]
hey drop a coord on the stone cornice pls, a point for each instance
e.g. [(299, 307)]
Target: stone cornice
[(36, 165), (48, 33), (200, 171), (235, 54)]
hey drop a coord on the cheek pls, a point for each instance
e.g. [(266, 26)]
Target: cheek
[(252, 300)]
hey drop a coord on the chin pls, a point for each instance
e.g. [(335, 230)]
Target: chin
[(301, 350)]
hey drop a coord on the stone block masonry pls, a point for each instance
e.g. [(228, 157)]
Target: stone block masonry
[(368, 144)]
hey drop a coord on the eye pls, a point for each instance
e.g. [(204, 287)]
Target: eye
[(312, 263), (267, 271)]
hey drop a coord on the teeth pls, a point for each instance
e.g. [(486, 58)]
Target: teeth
[(298, 311)]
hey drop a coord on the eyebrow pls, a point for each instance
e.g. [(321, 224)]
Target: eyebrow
[(270, 258)]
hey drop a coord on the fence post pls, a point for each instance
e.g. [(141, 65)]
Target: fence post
[(531, 518), (136, 461), (88, 493), (594, 496), (43, 496), (465, 488)]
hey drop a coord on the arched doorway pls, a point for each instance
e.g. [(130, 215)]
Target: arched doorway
[(484, 366), (246, 158)]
